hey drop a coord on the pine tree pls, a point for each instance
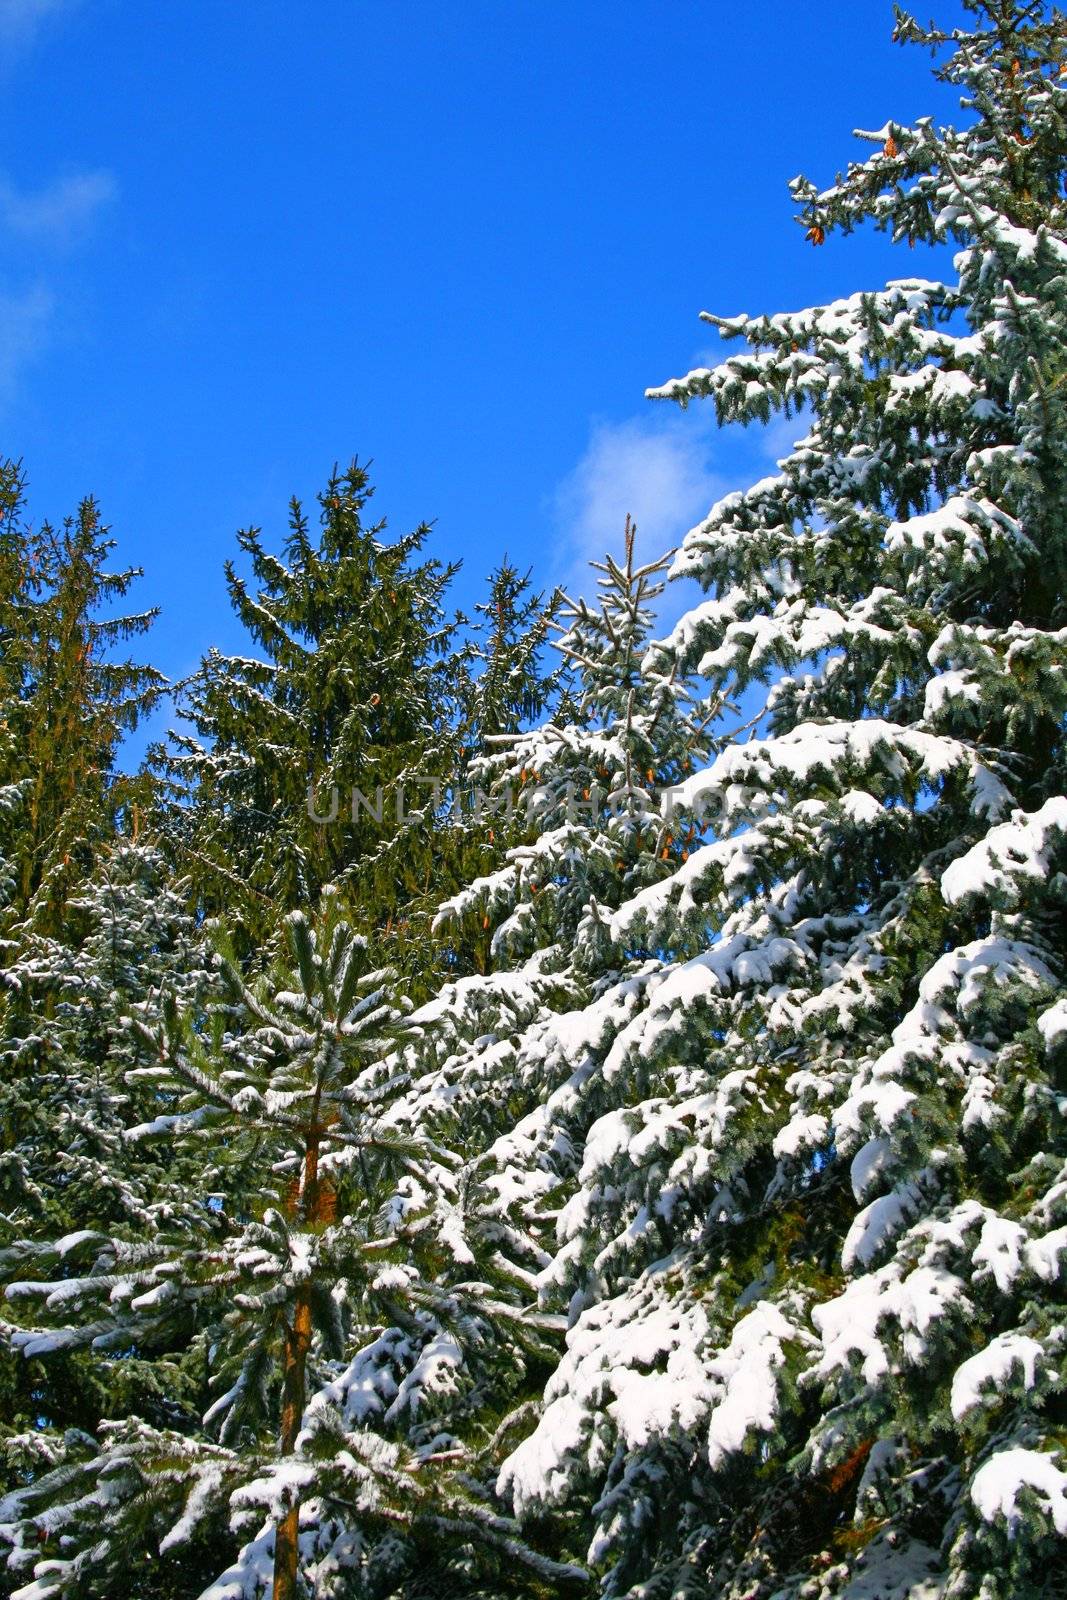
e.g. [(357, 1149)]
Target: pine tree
[(14, 667), (328, 1309), (510, 687), (588, 787), (507, 688), (355, 689), (510, 1050), (73, 699), (814, 1257), (68, 698), (67, 701), (15, 583), (129, 935), (73, 1173)]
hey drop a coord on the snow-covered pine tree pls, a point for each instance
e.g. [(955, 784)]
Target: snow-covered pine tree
[(128, 936), (14, 651), (68, 700), (67, 697), (69, 1167), (355, 687), (511, 1053), (816, 1276), (588, 787), (335, 1319)]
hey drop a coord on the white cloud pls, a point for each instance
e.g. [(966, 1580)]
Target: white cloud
[(54, 215), (667, 469), (58, 211), (656, 471), (25, 323)]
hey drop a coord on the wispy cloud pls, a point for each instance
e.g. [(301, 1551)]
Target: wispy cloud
[(666, 469), (658, 472), (25, 326), (60, 211), (52, 217), (56, 216), (20, 19)]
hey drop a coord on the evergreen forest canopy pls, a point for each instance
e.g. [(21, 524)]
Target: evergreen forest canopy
[(637, 1165)]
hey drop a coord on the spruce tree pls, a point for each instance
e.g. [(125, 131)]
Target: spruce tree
[(510, 687), (506, 687), (68, 699), (512, 1049), (335, 1314), (74, 1174), (355, 688), (587, 786), (814, 1255), (129, 934), (73, 696), (15, 638)]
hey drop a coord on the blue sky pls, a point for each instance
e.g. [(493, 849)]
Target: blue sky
[(241, 240)]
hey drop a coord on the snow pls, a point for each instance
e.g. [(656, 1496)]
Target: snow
[(964, 528), (852, 1323), (823, 748), (868, 1164), (1052, 1024), (998, 1483), (154, 1298), (877, 1223), (947, 689), (303, 1256), (369, 1384), (891, 1567), (979, 1108), (1044, 1255), (46, 1586), (999, 1251), (35, 1342), (744, 1375), (175, 1124), (934, 387), (1010, 855), (862, 808), (800, 1134), (1022, 242), (434, 1372), (877, 1100), (280, 1487), (652, 1365), (539, 1468), (203, 1492), (993, 1368), (71, 1241), (637, 1360), (252, 1575), (393, 1279)]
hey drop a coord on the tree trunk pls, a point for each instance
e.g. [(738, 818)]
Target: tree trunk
[(297, 1345), (286, 1535)]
